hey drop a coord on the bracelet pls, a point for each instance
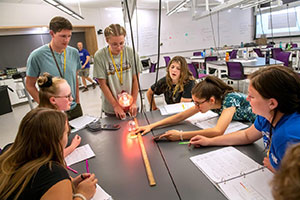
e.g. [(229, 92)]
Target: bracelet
[(79, 195), (181, 138)]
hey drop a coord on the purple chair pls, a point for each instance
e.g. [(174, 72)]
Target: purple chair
[(275, 51), (235, 71), (197, 53), (167, 60), (283, 57), (294, 45), (258, 52), (210, 58), (233, 54), (270, 46), (195, 73), (152, 67)]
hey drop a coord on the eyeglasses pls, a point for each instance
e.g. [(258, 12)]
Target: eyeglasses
[(69, 96), (199, 103)]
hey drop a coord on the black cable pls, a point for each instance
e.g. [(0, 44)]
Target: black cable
[(288, 20), (158, 53), (134, 57), (213, 32)]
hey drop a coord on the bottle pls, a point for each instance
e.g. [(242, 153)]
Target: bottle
[(211, 51), (227, 56), (242, 45), (280, 45), (245, 54), (267, 57)]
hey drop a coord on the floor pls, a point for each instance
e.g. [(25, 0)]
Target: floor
[(90, 102)]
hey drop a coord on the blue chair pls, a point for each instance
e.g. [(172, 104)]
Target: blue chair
[(235, 71)]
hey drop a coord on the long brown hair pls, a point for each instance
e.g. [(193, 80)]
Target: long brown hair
[(211, 86), (286, 182), (49, 86), (37, 143), (185, 74), (280, 83)]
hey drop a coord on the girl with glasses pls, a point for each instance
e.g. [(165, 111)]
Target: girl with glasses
[(274, 95), (210, 94), (34, 167), (55, 93), (176, 85)]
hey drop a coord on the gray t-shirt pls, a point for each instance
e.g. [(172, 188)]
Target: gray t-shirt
[(104, 69), (41, 60)]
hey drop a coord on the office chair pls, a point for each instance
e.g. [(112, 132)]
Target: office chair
[(197, 53), (275, 51), (233, 54), (152, 68), (258, 52), (235, 71), (283, 57), (167, 60), (195, 72)]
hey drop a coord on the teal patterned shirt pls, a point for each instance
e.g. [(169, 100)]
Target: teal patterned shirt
[(243, 109)]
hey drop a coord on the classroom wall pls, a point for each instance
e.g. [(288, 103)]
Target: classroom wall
[(40, 14)]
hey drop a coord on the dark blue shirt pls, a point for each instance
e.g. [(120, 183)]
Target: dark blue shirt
[(83, 54)]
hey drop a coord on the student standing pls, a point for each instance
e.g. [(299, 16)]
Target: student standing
[(115, 70), (34, 167), (85, 69), (210, 94), (274, 95), (58, 59), (176, 85), (55, 93)]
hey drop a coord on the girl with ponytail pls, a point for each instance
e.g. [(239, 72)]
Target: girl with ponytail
[(210, 94)]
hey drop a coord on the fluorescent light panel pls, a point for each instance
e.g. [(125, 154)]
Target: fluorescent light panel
[(177, 7), (64, 8)]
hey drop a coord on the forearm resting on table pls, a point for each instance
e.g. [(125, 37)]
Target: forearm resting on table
[(210, 132)]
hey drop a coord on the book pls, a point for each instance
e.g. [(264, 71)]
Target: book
[(236, 175)]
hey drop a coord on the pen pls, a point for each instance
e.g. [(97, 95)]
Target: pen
[(183, 106), (72, 170), (187, 142), (87, 166)]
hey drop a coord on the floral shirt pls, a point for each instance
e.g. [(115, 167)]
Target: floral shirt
[(243, 109)]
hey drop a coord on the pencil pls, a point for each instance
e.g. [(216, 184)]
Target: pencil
[(87, 166), (72, 170)]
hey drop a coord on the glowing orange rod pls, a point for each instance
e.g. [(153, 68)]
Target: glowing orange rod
[(145, 158)]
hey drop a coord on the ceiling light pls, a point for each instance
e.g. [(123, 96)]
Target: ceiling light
[(64, 8)]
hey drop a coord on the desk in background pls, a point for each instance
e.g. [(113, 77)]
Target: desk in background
[(250, 65)]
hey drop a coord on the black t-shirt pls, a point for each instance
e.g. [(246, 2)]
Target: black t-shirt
[(43, 181), (162, 88)]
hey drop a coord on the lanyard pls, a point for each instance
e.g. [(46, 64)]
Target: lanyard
[(119, 74), (62, 75)]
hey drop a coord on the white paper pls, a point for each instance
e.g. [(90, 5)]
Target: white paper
[(79, 154), (232, 127), (199, 117), (175, 108), (82, 121), (253, 186), (244, 60), (101, 194), (224, 164)]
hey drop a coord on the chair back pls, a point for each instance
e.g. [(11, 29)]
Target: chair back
[(275, 52), (233, 54), (235, 71), (152, 68), (270, 46), (210, 58), (283, 57), (167, 60), (294, 45), (193, 69), (197, 53), (258, 52)]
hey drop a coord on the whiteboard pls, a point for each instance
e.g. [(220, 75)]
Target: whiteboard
[(180, 33)]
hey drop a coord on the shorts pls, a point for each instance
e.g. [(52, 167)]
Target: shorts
[(84, 72)]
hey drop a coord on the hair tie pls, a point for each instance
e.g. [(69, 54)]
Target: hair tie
[(48, 83)]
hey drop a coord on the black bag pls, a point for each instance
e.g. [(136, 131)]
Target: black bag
[(74, 113)]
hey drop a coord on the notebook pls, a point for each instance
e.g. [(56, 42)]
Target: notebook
[(236, 175)]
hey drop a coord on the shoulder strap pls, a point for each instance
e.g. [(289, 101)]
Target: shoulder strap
[(56, 61)]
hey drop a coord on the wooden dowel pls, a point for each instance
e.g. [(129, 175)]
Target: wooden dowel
[(145, 158)]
